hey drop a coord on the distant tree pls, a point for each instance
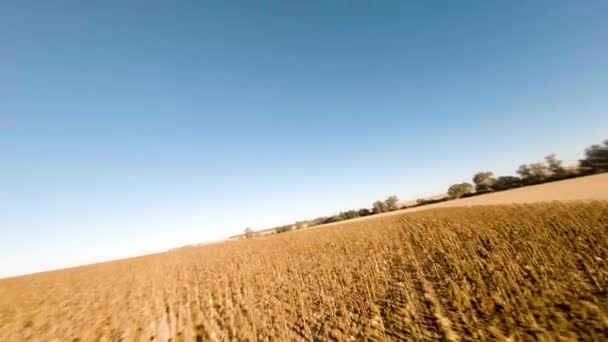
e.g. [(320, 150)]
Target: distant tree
[(249, 233), (318, 221), (364, 212), (347, 215), (524, 171), (458, 190), (596, 158), (572, 170), (555, 166), (334, 218), (484, 181), (507, 182), (425, 201), (283, 229), (379, 207), (540, 172), (533, 173), (392, 202)]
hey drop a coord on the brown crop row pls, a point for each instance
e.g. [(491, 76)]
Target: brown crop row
[(482, 273)]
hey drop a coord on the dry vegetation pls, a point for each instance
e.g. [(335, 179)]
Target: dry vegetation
[(483, 273)]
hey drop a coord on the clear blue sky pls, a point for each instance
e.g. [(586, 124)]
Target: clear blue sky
[(132, 127)]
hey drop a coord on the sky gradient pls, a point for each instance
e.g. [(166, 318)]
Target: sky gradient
[(133, 127)]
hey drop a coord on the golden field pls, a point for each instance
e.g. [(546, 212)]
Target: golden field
[(481, 273)]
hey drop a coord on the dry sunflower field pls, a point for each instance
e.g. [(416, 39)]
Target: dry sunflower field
[(534, 271)]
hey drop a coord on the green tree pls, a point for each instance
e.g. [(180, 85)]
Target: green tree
[(524, 171), (421, 201), (484, 181), (540, 172), (392, 203), (596, 158), (572, 170), (379, 207), (364, 212), (555, 166), (283, 229), (249, 233), (533, 173), (459, 190), (347, 215), (507, 182), (318, 221), (334, 218)]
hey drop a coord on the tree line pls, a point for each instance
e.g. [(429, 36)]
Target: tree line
[(549, 170)]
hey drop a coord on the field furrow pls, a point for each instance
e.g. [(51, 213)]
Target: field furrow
[(519, 272)]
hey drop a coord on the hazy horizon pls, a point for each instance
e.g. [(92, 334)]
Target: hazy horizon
[(132, 128)]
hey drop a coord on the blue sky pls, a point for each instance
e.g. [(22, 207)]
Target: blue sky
[(133, 127)]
